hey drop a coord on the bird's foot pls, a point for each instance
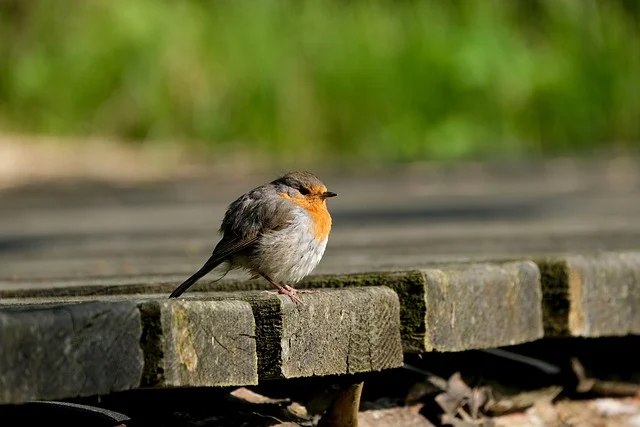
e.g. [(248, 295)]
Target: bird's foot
[(300, 291), (286, 290), (292, 292)]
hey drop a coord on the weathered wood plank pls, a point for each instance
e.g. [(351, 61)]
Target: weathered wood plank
[(460, 307), (482, 306), (52, 352), (591, 296), (466, 306), (198, 343), (67, 349), (335, 332), (208, 340)]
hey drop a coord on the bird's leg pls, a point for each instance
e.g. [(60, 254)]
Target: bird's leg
[(284, 290)]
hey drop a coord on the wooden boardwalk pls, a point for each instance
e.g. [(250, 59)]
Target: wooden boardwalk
[(64, 234), (417, 261)]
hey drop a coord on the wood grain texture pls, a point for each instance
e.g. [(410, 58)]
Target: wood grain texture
[(482, 306), (592, 296), (335, 332), (199, 343), (68, 350)]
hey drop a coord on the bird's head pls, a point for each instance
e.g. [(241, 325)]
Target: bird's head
[(304, 185)]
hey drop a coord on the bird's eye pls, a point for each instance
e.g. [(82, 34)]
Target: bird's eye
[(304, 191)]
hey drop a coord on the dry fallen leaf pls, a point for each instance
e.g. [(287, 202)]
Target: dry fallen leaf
[(456, 395), (523, 400)]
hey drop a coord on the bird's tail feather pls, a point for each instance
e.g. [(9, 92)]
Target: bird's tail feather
[(206, 268)]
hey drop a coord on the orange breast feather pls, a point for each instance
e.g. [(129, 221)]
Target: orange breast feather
[(317, 208)]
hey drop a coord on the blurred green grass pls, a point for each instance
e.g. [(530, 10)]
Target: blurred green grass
[(377, 81)]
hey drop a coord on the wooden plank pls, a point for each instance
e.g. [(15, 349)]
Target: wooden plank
[(460, 307), (198, 343), (591, 296), (335, 332), (482, 306), (62, 351), (67, 349), (466, 306)]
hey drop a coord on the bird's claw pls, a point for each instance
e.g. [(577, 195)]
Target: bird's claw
[(299, 291), (292, 293)]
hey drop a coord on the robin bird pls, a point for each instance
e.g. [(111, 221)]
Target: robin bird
[(278, 231)]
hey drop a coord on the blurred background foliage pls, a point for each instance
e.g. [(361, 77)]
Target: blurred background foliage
[(377, 81)]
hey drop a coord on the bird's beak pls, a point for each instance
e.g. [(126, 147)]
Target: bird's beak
[(328, 194)]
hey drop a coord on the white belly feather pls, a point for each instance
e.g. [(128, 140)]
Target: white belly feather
[(290, 254)]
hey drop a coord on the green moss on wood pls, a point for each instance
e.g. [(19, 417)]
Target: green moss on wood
[(133, 288), (151, 342), (268, 335), (554, 277)]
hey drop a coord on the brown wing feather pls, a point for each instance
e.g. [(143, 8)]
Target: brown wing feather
[(217, 258), (245, 220)]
